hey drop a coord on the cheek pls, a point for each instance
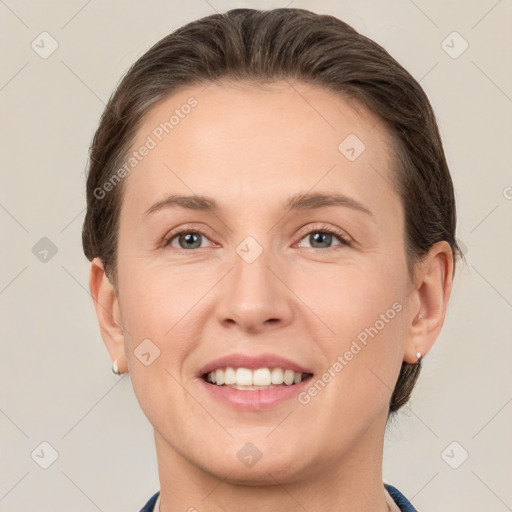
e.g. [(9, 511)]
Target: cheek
[(156, 307), (351, 299), (163, 305), (155, 299), (365, 310)]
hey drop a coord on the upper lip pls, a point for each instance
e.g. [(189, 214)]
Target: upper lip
[(252, 362)]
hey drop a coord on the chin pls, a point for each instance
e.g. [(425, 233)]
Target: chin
[(263, 473), (243, 463)]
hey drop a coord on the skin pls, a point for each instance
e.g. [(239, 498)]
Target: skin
[(250, 148)]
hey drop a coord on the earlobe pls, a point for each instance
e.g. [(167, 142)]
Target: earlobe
[(108, 312), (433, 289)]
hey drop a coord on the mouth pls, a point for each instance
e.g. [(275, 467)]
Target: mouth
[(259, 379), (253, 382)]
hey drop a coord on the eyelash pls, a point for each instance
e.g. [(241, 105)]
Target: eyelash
[(318, 228), (322, 228)]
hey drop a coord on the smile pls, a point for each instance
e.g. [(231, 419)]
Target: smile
[(245, 379)]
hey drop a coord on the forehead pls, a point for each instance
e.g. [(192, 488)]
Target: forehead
[(258, 142)]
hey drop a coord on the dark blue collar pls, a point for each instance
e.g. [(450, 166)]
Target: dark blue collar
[(402, 502), (150, 505)]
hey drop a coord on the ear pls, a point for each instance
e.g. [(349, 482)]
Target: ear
[(108, 312), (433, 285)]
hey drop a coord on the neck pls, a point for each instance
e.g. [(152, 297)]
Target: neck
[(353, 484)]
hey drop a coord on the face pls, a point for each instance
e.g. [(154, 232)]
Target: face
[(293, 258)]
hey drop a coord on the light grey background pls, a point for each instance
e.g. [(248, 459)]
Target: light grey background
[(55, 378)]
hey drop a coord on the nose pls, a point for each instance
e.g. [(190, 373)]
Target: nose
[(255, 297)]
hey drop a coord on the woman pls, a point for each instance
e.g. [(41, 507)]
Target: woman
[(271, 225)]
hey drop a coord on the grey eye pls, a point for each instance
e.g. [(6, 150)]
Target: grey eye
[(187, 240), (321, 240)]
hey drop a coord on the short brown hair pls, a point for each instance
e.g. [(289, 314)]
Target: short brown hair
[(255, 46)]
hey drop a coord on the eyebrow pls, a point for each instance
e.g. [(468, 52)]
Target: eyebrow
[(298, 202), (312, 201), (191, 202)]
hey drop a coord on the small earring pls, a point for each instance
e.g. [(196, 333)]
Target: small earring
[(419, 356), (115, 368)]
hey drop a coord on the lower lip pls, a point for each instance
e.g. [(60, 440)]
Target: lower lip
[(257, 399)]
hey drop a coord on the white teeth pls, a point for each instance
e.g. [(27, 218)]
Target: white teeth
[(229, 376), (243, 377), (261, 378), (288, 377), (277, 376)]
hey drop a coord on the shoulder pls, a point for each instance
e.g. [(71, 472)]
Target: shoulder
[(402, 502), (150, 505)]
